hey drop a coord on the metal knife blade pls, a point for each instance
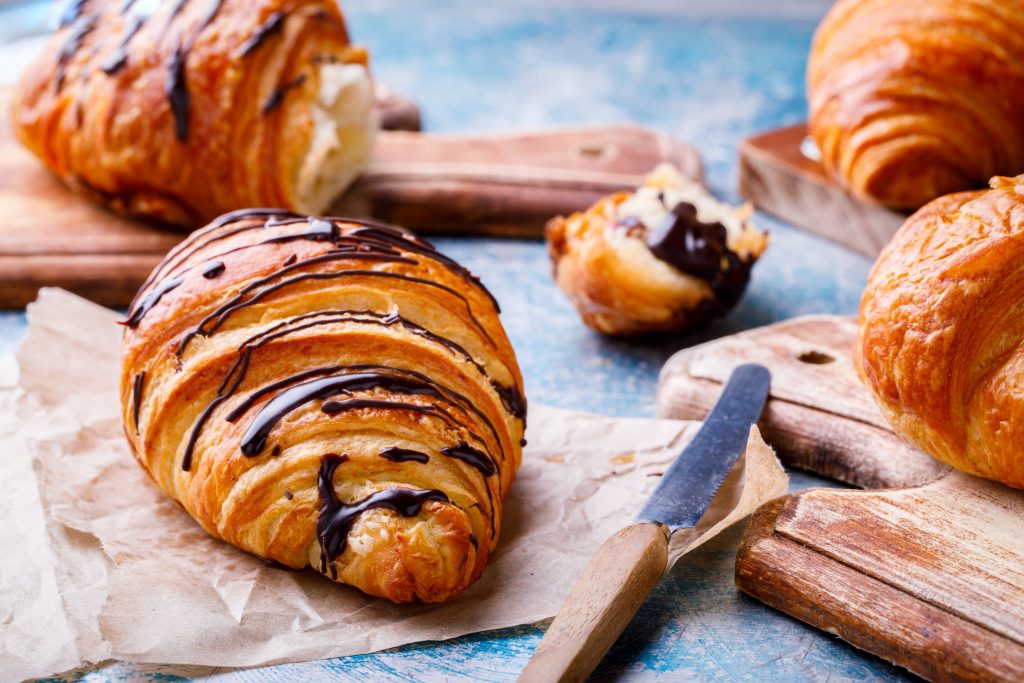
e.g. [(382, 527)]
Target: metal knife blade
[(693, 478)]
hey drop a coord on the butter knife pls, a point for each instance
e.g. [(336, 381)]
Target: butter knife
[(629, 564)]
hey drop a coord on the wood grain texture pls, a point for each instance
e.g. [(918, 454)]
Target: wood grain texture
[(866, 611), (777, 177), (929, 575), (608, 593), (481, 185), (819, 417)]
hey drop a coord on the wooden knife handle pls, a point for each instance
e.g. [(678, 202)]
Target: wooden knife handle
[(491, 184), (608, 593)]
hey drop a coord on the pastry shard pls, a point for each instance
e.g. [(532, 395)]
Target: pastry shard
[(330, 393), (910, 101), (941, 342), (666, 258), (182, 110)]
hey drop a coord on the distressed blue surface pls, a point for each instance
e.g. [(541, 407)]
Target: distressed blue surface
[(476, 66)]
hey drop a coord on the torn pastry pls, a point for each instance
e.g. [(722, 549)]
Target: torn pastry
[(180, 111), (665, 258)]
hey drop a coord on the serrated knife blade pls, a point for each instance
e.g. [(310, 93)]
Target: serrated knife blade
[(691, 481)]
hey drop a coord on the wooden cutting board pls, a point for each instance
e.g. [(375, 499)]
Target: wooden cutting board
[(780, 179), (928, 574), (456, 184)]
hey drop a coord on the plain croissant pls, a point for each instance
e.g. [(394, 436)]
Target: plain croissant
[(329, 393), (181, 111), (913, 100), (941, 341)]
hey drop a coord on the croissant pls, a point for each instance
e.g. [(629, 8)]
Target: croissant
[(327, 392), (665, 258), (182, 110), (941, 342), (910, 101)]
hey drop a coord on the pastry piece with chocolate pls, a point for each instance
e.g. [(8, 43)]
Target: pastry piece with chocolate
[(665, 258)]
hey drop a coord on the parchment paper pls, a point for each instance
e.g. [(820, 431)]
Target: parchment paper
[(98, 564)]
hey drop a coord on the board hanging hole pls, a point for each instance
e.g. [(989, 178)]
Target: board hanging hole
[(815, 358), (593, 150)]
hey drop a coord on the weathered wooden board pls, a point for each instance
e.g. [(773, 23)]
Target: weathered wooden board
[(929, 575), (459, 184), (778, 178), (819, 417)]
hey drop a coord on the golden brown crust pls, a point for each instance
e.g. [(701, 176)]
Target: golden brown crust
[(228, 130), (267, 386), (620, 288), (911, 101), (941, 343)]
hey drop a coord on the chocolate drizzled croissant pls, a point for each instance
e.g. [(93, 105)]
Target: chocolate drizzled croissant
[(327, 392), (183, 109)]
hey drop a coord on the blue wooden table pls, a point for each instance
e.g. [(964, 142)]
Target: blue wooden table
[(707, 72)]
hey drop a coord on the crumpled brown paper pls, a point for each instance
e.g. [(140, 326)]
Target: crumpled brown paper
[(99, 564)]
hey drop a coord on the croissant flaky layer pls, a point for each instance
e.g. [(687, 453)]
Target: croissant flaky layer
[(331, 393), (184, 109), (665, 258), (941, 341), (910, 101)]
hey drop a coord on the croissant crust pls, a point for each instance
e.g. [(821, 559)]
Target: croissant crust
[(330, 393), (941, 343), (182, 110), (910, 101)]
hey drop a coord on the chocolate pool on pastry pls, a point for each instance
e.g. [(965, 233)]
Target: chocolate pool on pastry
[(666, 258)]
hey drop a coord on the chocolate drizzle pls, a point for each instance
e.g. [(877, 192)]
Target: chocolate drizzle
[(151, 300), (71, 13), (176, 85), (472, 457), (80, 29), (213, 269), (334, 407), (511, 399), (214, 320), (269, 27), (396, 454), (318, 230), (368, 232), (335, 520), (255, 438), (177, 93), (119, 57), (277, 97), (137, 398)]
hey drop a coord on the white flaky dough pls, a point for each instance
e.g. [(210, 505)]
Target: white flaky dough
[(344, 133)]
